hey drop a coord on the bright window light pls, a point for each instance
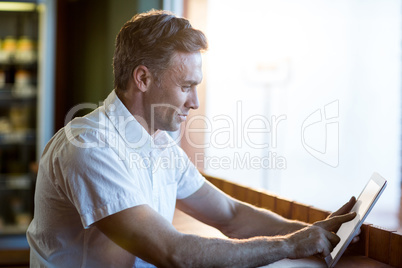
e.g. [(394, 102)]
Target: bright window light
[(13, 6)]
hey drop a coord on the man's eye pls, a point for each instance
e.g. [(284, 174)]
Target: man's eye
[(186, 88)]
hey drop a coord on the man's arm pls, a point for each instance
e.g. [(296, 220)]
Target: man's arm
[(233, 218), (143, 232), (236, 219), (146, 234)]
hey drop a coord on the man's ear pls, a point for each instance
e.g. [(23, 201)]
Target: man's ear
[(142, 77)]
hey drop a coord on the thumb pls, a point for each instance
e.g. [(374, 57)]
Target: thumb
[(345, 208), (333, 224)]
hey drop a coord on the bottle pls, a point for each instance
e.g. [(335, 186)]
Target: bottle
[(9, 47), (2, 79), (25, 52), (23, 83)]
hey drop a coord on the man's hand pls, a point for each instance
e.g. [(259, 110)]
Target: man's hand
[(333, 223), (346, 209), (317, 238)]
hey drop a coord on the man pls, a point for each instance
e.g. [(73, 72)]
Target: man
[(104, 197)]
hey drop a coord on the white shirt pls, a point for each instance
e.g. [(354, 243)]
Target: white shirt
[(94, 167)]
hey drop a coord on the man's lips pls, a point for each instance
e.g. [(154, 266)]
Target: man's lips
[(183, 117)]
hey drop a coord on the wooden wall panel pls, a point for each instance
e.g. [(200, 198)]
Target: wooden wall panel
[(361, 247), (395, 250), (284, 207), (253, 197), (268, 201), (240, 192), (316, 214), (14, 257), (300, 212), (228, 187), (379, 244), (215, 181)]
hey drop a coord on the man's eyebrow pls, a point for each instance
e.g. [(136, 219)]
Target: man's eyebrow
[(191, 82)]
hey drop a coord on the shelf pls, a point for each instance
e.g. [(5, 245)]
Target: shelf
[(18, 137), (18, 6), (20, 61), (10, 231), (31, 64), (9, 240), (19, 58), (9, 96), (15, 182)]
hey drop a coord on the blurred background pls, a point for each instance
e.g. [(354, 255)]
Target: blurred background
[(300, 98)]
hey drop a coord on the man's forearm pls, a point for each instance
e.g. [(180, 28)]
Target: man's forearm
[(144, 233), (293, 226), (234, 218), (250, 221), (195, 251), (147, 235)]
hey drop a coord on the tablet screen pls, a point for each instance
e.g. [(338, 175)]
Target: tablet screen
[(363, 205)]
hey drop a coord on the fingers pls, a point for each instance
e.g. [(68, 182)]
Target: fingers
[(357, 237), (333, 238), (328, 243), (330, 240), (325, 248), (312, 240), (333, 224), (359, 231), (345, 208)]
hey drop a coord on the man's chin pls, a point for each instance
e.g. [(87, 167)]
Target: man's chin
[(174, 129), (171, 128)]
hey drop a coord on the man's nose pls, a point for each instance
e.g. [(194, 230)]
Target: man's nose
[(192, 101)]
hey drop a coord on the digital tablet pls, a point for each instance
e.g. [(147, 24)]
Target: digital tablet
[(363, 206)]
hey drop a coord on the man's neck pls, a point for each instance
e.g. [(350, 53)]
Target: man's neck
[(134, 104)]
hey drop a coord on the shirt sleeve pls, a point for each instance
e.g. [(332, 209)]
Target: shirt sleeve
[(189, 178), (96, 181)]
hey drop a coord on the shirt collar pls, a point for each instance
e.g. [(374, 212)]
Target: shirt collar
[(130, 130)]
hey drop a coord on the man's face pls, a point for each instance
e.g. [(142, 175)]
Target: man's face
[(171, 101)]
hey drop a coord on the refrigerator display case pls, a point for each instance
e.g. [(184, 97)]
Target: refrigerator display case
[(25, 97)]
